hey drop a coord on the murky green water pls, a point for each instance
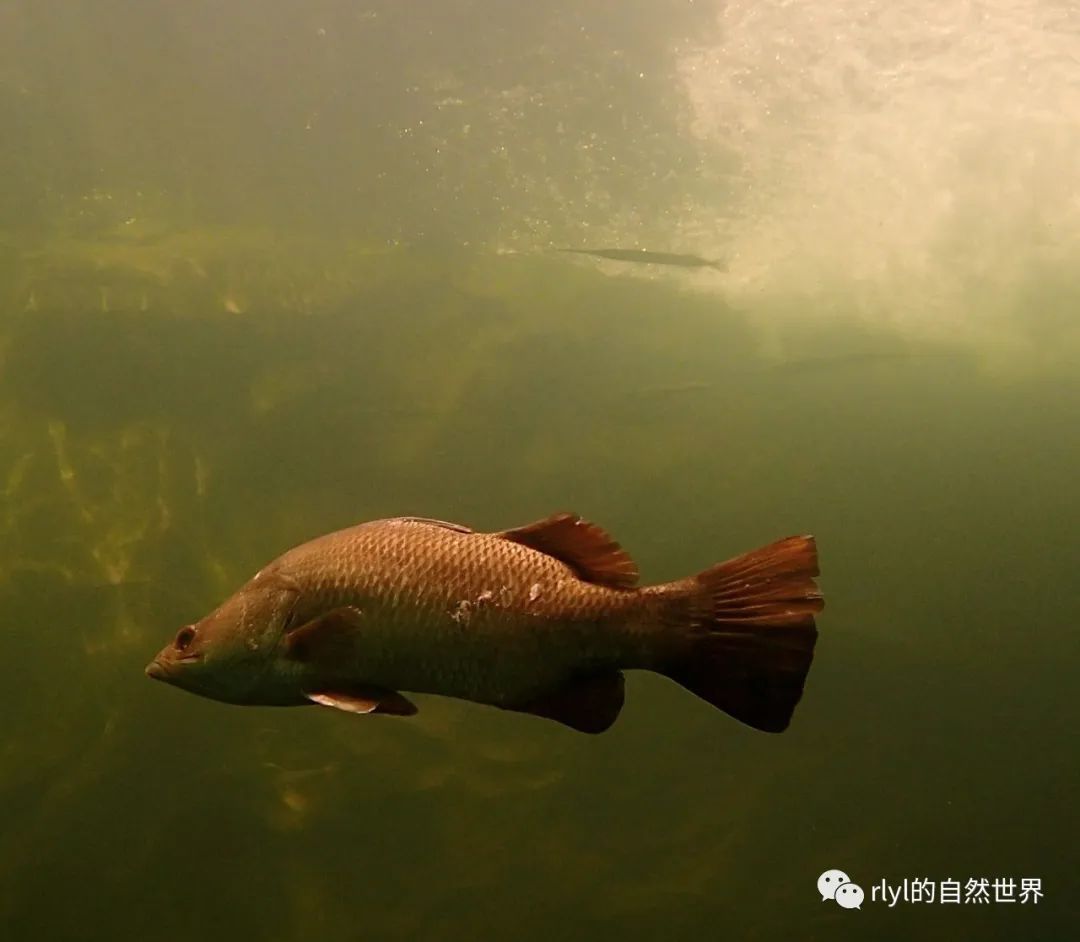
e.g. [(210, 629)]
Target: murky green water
[(263, 276)]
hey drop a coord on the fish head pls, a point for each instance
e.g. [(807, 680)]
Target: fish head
[(229, 654)]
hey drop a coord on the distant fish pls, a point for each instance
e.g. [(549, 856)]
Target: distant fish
[(540, 619), (644, 257), (864, 358)]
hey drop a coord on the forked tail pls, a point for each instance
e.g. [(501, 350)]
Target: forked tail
[(750, 631)]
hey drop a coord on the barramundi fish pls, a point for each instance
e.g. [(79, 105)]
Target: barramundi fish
[(541, 619)]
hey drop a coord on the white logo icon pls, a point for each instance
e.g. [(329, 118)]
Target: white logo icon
[(850, 896), (829, 882), (836, 885)]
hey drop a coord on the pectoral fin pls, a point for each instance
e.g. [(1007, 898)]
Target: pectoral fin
[(364, 699), (327, 637), (588, 704)]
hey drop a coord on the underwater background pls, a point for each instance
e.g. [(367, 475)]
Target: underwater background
[(268, 269)]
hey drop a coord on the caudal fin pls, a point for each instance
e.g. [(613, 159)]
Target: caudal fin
[(752, 632)]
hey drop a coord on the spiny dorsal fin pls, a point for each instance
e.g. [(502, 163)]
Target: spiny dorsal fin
[(583, 546), (431, 521)]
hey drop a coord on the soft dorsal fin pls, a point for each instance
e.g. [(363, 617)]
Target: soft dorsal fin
[(583, 546)]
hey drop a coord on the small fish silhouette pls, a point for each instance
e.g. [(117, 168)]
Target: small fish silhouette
[(644, 257)]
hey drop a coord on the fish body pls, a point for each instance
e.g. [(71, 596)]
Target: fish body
[(541, 619), (645, 257)]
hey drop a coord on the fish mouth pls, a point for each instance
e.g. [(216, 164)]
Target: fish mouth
[(164, 668), (156, 670)]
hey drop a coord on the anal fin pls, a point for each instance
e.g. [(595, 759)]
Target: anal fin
[(589, 704)]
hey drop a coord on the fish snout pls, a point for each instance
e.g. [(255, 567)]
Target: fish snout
[(156, 670)]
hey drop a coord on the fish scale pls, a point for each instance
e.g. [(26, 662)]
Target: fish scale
[(468, 614)]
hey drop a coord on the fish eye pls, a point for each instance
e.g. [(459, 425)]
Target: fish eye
[(184, 637)]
